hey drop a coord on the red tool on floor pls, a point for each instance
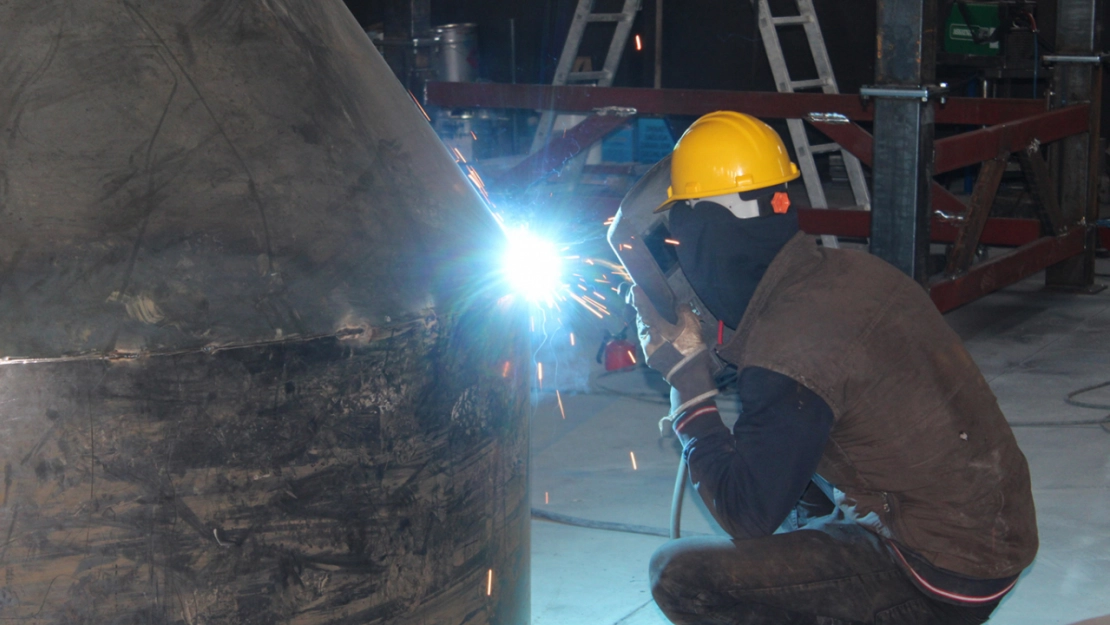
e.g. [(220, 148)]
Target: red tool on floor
[(616, 351)]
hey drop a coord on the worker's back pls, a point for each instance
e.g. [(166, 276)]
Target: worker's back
[(919, 438)]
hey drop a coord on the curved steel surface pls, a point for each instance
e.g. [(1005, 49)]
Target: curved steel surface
[(175, 175), (254, 362)]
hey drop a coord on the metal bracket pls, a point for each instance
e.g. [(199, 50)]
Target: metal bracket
[(827, 118), (415, 42), (918, 92), (619, 111), (1088, 59)]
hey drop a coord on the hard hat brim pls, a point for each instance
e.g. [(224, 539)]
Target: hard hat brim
[(665, 206), (794, 175)]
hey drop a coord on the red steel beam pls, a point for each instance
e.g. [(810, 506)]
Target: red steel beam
[(1005, 270), (1002, 231), (859, 143), (850, 137), (696, 102), (561, 149), (856, 224), (987, 111), (974, 147)]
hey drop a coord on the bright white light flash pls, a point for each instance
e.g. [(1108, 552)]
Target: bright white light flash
[(533, 266)]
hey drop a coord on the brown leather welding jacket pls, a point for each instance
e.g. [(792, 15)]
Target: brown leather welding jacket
[(919, 438)]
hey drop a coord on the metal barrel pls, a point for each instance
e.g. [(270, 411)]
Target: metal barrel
[(456, 52), (255, 362)]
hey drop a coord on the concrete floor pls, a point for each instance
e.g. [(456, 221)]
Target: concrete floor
[(1033, 347)]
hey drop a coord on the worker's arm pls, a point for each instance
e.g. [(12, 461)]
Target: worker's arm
[(751, 478)]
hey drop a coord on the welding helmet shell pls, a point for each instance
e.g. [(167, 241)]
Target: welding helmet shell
[(727, 152)]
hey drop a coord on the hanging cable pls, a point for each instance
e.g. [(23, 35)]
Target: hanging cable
[(1036, 48)]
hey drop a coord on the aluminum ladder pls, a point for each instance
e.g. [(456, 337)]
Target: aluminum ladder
[(807, 18), (564, 71)]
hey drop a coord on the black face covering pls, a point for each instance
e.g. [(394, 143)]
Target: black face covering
[(724, 257)]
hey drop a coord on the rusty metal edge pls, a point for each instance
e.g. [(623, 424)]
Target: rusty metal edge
[(697, 102), (1003, 271), (978, 146)]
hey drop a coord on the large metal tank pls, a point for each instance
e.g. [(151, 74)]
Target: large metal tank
[(255, 366)]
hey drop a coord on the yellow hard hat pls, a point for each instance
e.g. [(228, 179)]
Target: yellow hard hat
[(727, 152)]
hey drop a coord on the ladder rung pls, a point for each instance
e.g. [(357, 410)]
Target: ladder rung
[(600, 75), (607, 17), (790, 19), (808, 84), (823, 148)]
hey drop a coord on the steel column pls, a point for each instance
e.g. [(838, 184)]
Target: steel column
[(1076, 157), (903, 150)]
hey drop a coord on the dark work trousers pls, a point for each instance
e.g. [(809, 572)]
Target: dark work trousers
[(831, 573)]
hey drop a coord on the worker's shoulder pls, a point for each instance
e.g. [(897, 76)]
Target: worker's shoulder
[(808, 261), (860, 260), (836, 288)]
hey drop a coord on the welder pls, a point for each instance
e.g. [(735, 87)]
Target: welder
[(870, 476)]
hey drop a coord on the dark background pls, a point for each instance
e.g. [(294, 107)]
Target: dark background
[(709, 45), (716, 45)]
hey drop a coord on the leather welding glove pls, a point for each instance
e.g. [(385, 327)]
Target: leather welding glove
[(677, 351)]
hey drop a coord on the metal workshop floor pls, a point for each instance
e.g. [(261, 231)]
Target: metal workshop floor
[(1033, 346)]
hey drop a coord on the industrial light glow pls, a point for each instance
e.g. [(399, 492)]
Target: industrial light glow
[(532, 266)]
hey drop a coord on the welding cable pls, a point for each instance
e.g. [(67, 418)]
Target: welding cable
[(676, 498), (1087, 389), (1104, 423), (564, 519), (627, 528), (725, 386), (1036, 53), (648, 398), (679, 494)]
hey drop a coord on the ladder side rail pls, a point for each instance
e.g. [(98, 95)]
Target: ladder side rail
[(809, 175), (563, 68), (821, 61), (805, 162), (817, 46), (573, 42), (797, 128), (810, 178), (773, 47), (619, 41)]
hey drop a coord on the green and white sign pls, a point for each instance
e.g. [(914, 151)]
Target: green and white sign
[(969, 31)]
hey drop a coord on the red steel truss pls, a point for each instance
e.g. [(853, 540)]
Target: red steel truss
[(1012, 126)]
